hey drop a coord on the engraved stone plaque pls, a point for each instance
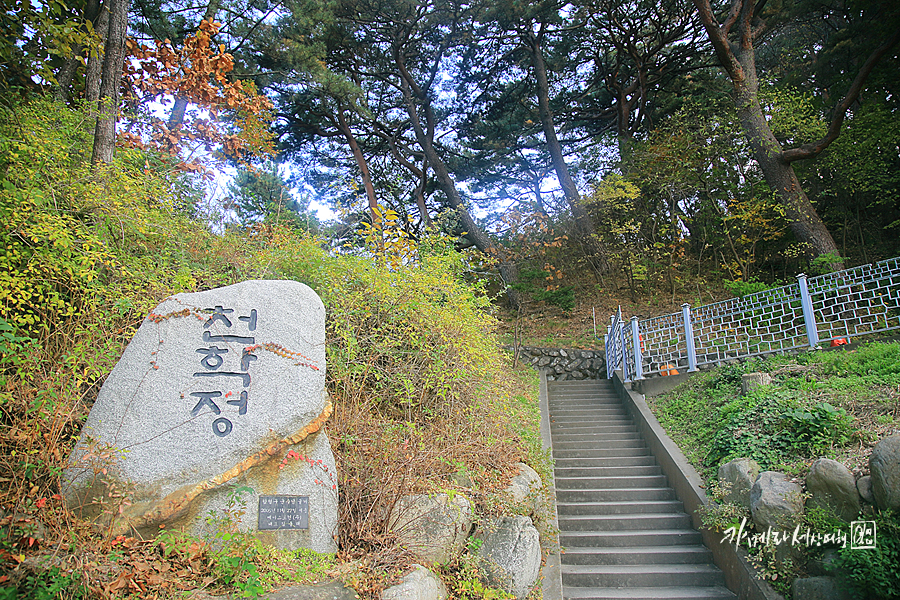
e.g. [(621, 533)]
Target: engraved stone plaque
[(283, 512)]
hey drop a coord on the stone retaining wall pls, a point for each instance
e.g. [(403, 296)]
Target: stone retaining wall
[(562, 363)]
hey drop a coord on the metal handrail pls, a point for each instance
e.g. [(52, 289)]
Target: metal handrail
[(841, 305)]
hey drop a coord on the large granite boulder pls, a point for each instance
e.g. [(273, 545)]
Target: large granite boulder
[(884, 465), (218, 392), (433, 527), (418, 584), (740, 473), (832, 487), (775, 502), (525, 487), (510, 554)]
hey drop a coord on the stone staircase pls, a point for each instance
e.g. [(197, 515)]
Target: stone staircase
[(623, 533)]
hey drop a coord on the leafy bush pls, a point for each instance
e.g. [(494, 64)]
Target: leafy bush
[(874, 574), (815, 430), (739, 288), (534, 283), (752, 431)]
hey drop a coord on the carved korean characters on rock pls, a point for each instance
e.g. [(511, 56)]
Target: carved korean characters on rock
[(213, 360), (213, 387)]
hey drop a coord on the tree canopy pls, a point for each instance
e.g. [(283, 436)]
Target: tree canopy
[(751, 137)]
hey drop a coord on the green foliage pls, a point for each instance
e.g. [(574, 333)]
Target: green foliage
[(824, 263), (534, 283), (740, 288), (776, 425), (719, 515), (818, 429), (751, 430), (874, 574), (52, 584)]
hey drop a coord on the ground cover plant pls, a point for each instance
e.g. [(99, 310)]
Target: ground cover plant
[(831, 404), (424, 399)]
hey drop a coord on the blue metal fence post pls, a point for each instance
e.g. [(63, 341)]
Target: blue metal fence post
[(809, 315), (621, 335), (689, 337), (636, 344), (606, 349)]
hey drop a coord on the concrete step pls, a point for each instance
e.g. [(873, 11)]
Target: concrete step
[(617, 461), (620, 522), (615, 495), (638, 481), (598, 444), (626, 436), (589, 407), (650, 593), (640, 537), (587, 426), (576, 451), (637, 555), (623, 471), (642, 575), (619, 508), (570, 400), (591, 421), (605, 418), (557, 407)]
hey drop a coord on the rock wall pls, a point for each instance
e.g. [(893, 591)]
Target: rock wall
[(561, 364)]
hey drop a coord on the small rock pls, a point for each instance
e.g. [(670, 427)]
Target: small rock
[(419, 584), (825, 564), (864, 487), (525, 486), (751, 381), (434, 528), (884, 465), (740, 473), (832, 487), (510, 554), (818, 588), (775, 502)]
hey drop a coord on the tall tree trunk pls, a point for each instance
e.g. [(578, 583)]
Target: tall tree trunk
[(361, 163), (111, 78), (584, 226), (412, 95), (95, 63), (804, 220)]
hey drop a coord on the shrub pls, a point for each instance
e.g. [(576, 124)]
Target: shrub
[(815, 430), (752, 431), (874, 574), (533, 282)]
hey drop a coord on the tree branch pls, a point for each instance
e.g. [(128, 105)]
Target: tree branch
[(813, 149)]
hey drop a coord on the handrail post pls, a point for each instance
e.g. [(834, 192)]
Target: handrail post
[(689, 337), (606, 350), (809, 315), (636, 344)]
